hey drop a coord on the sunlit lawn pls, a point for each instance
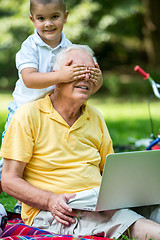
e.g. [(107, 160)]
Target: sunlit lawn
[(126, 120)]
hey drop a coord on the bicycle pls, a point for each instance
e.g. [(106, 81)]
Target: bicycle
[(154, 144)]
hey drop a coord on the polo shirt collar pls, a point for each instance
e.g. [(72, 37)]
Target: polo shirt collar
[(41, 43), (46, 106)]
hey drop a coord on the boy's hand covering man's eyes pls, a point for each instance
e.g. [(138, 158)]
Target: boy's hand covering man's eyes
[(96, 76), (69, 73)]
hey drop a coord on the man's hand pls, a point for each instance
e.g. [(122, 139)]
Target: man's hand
[(69, 73), (12, 178), (96, 76), (60, 210)]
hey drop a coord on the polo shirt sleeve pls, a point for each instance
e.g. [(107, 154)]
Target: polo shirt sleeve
[(18, 142), (27, 56)]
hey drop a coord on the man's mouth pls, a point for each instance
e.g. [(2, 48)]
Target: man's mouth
[(82, 87)]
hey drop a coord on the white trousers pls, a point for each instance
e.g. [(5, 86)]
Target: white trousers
[(109, 224)]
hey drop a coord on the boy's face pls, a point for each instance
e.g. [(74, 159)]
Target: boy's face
[(48, 20)]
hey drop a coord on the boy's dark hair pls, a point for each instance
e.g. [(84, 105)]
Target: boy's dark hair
[(44, 2)]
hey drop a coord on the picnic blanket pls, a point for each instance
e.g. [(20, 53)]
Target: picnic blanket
[(15, 229)]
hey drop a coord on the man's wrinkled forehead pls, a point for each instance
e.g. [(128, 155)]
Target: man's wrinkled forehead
[(80, 57)]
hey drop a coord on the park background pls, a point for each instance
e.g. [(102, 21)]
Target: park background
[(123, 34)]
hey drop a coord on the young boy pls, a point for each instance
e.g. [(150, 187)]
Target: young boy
[(35, 60)]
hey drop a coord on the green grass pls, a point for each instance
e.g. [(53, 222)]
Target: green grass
[(7, 201), (128, 120)]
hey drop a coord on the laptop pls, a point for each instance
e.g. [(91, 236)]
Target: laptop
[(129, 179)]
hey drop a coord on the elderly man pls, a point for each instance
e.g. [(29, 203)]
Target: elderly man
[(56, 147)]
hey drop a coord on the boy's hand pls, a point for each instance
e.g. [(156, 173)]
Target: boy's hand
[(70, 73), (96, 77)]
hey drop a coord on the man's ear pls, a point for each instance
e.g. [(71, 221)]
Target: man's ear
[(66, 16), (57, 85)]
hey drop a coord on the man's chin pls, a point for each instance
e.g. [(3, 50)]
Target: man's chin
[(83, 98)]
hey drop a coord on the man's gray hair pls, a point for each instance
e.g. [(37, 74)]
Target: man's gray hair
[(61, 56)]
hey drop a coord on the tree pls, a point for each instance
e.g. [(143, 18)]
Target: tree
[(111, 28), (151, 30), (15, 27)]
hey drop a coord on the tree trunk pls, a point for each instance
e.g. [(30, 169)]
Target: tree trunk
[(152, 30)]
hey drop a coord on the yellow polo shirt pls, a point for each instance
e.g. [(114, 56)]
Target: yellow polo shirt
[(60, 158)]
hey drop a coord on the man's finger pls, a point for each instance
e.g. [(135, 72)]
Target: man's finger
[(62, 221)]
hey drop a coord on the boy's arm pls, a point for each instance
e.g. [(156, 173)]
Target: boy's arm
[(34, 79)]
